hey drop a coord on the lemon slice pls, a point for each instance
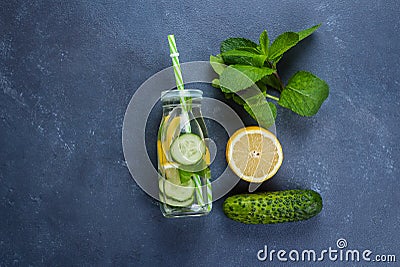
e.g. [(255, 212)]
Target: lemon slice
[(254, 154), (168, 165), (160, 153), (171, 173), (208, 157)]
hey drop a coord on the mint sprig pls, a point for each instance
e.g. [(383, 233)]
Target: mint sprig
[(242, 64)]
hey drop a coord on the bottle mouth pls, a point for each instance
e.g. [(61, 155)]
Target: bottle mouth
[(169, 95)]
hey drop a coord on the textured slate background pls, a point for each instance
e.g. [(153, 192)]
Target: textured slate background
[(68, 70)]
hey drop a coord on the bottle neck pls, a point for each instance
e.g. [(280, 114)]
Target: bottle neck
[(193, 107)]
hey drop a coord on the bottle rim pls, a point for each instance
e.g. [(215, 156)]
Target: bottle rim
[(171, 94)]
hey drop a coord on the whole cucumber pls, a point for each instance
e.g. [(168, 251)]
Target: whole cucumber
[(273, 207)]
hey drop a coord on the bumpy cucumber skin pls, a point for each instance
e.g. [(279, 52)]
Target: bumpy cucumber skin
[(273, 207)]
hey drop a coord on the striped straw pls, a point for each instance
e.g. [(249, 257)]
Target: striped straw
[(209, 194), (179, 85), (178, 75), (175, 62)]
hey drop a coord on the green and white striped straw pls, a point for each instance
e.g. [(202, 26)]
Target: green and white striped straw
[(178, 74), (179, 85), (175, 62), (209, 193)]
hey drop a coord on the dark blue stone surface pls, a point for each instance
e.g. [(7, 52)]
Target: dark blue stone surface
[(68, 70)]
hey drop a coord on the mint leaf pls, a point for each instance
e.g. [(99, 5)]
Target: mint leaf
[(228, 95), (238, 77), (277, 60), (184, 176), (215, 83), (273, 109), (254, 50), (249, 110), (235, 43), (244, 56), (206, 173), (258, 61), (307, 32), (272, 81), (240, 53), (282, 43), (238, 99), (304, 94), (225, 90), (258, 108), (271, 106), (262, 86), (264, 42), (217, 63)]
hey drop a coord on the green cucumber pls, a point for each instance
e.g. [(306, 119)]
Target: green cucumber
[(187, 149), (273, 207), (182, 192)]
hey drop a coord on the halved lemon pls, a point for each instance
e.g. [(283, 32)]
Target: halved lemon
[(254, 154)]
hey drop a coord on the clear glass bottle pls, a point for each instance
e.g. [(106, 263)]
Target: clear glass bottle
[(183, 156)]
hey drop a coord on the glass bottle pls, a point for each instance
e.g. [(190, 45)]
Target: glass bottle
[(183, 156)]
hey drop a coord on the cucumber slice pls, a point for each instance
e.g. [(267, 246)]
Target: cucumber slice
[(188, 149), (181, 192), (175, 203)]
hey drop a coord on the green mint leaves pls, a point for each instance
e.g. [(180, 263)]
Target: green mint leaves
[(245, 55), (307, 32), (247, 73), (282, 43), (234, 43), (264, 43), (304, 94), (217, 64), (184, 176), (238, 77)]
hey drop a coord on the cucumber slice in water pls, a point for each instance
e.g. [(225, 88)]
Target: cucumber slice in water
[(188, 149), (182, 193), (175, 203)]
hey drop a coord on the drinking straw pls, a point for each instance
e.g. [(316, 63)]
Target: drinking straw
[(177, 71), (209, 193), (179, 85)]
